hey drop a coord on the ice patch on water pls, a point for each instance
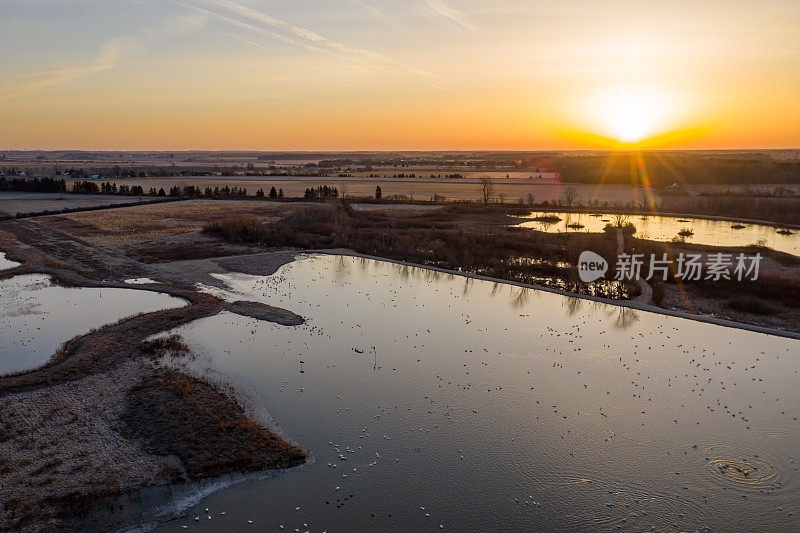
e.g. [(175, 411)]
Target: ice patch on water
[(5, 264), (140, 281)]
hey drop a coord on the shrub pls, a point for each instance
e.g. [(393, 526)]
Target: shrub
[(238, 228)]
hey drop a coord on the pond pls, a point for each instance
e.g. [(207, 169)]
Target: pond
[(431, 401), (36, 317), (663, 228)]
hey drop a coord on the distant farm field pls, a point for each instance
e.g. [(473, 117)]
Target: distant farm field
[(12, 203)]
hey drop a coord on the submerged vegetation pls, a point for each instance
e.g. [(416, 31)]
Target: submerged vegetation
[(547, 219)]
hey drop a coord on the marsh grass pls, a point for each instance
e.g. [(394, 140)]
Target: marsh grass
[(172, 413), (547, 219), (171, 346)]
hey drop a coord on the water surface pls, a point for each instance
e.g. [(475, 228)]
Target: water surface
[(432, 401), (5, 263), (658, 228), (37, 317)]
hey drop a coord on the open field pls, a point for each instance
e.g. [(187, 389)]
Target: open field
[(125, 225), (12, 203)]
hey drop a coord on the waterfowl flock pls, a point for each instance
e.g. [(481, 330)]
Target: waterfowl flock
[(429, 401), (429, 392)]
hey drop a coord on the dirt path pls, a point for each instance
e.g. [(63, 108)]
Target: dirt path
[(84, 257)]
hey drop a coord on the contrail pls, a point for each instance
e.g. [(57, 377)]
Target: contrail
[(247, 26), (451, 13), (377, 13), (205, 12), (317, 39)]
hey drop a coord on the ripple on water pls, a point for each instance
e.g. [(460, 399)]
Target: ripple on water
[(751, 472)]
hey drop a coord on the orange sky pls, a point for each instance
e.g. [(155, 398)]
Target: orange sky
[(426, 74)]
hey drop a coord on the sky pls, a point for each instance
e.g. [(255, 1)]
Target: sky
[(399, 74)]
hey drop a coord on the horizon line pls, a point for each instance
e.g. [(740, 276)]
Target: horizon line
[(388, 150)]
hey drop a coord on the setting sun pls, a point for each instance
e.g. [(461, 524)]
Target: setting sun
[(630, 117)]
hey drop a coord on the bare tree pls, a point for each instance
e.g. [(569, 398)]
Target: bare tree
[(502, 197), (344, 188), (569, 195), (486, 189), (620, 220)]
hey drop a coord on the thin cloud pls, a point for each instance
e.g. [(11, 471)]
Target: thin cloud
[(111, 53), (448, 12), (378, 14), (246, 26), (318, 40), (109, 57)]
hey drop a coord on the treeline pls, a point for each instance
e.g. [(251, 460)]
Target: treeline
[(33, 185), (321, 192), (187, 191), (663, 169), (91, 187), (272, 193)]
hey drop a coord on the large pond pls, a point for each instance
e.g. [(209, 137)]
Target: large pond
[(431, 401), (37, 317), (709, 232)]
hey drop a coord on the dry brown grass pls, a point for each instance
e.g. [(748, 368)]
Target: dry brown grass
[(139, 223), (171, 413)]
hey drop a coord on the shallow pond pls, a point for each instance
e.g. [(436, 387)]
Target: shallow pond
[(5, 263), (431, 401), (37, 317), (709, 232)]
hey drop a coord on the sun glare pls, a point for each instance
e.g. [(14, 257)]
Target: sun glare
[(630, 116)]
